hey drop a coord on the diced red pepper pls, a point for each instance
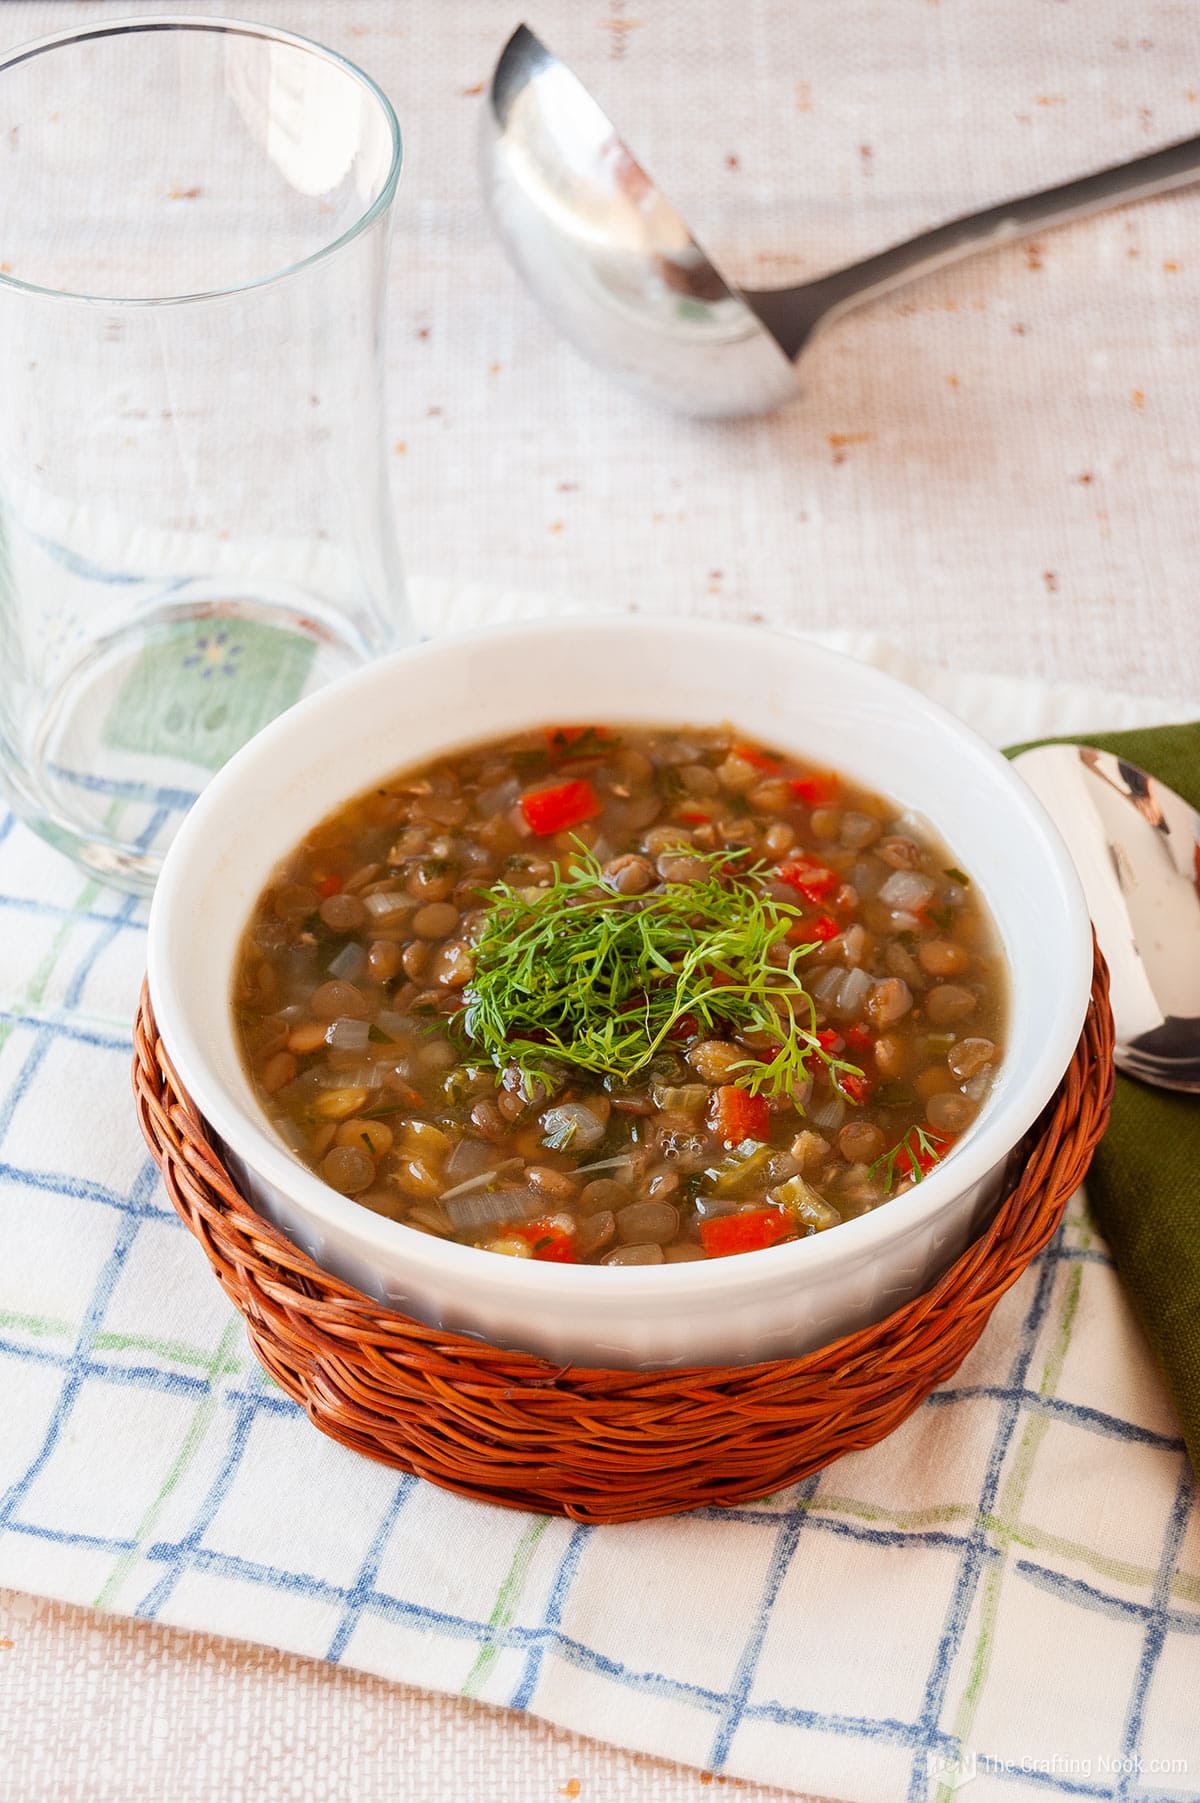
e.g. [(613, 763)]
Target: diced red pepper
[(696, 819), (818, 790), (762, 760), (554, 810), (908, 1162), (737, 1115), (824, 928), (859, 1037), (830, 1040), (548, 1241), (748, 1232), (853, 1086), (814, 881), (329, 887)]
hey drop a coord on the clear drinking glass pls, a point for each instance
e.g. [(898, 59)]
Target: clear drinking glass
[(195, 526)]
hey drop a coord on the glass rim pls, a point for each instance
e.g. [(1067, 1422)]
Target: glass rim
[(204, 22)]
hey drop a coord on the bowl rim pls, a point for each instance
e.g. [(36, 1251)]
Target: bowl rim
[(246, 1131)]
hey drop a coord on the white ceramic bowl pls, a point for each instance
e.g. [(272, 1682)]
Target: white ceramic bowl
[(780, 689)]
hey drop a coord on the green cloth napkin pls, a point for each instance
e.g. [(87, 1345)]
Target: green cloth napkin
[(1144, 1186)]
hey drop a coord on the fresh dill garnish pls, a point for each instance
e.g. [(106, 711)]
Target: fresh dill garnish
[(577, 975), (916, 1145)]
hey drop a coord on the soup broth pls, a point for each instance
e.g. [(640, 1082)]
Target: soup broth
[(621, 996)]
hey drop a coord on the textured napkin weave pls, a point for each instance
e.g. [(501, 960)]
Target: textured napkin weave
[(1145, 1182), (866, 1635)]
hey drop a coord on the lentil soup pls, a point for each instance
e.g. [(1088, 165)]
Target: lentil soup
[(620, 997)]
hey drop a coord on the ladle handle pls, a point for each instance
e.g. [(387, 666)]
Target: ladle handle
[(792, 313)]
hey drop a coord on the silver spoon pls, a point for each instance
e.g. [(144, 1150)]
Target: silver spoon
[(1136, 845), (615, 266)]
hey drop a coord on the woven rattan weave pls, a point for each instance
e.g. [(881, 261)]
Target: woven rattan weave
[(604, 1445)]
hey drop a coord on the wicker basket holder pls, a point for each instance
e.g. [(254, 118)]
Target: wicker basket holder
[(596, 1445)]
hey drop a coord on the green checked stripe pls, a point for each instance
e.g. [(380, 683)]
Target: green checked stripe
[(215, 1366), (36, 988), (1006, 1526), (507, 1599), (38, 1327), (1184, 1587)]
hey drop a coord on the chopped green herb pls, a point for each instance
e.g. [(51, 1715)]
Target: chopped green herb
[(561, 1135), (894, 1095), (941, 917), (957, 876), (547, 1239), (591, 742), (919, 1150), (579, 975)]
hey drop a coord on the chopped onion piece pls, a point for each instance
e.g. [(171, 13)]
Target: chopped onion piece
[(350, 962), (386, 901), (509, 1168), (571, 1124), (830, 1111), (606, 1164), (468, 1158), (826, 986), (346, 1035), (507, 1204), (854, 942), (688, 1097), (908, 889), (357, 1076), (852, 992), (396, 1026), (498, 797)]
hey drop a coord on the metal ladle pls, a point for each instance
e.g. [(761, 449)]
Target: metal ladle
[(617, 269), (1136, 846)]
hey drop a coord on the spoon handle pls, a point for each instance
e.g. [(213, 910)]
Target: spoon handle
[(791, 314)]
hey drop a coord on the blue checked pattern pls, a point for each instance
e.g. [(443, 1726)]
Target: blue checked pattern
[(1007, 1591)]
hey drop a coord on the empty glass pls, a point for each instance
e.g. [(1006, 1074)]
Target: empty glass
[(195, 525)]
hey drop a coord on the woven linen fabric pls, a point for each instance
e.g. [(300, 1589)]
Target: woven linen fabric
[(1008, 1588), (997, 466)]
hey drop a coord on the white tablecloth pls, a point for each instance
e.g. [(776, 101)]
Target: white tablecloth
[(996, 469)]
